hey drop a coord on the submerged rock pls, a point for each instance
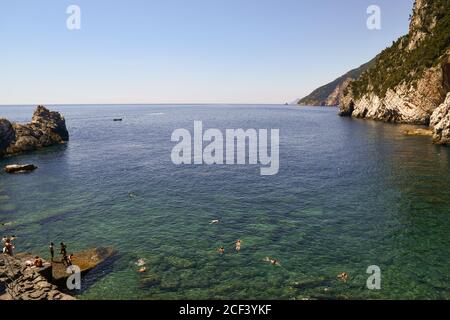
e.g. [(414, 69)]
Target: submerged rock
[(419, 132), (150, 280), (312, 283), (45, 129)]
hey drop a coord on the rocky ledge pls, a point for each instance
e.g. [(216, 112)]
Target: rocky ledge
[(85, 260), (46, 128), (21, 282)]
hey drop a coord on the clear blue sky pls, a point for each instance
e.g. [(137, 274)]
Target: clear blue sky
[(186, 51)]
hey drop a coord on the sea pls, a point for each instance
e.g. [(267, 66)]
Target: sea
[(350, 196)]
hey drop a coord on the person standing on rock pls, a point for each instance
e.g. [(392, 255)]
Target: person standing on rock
[(52, 250), (64, 252)]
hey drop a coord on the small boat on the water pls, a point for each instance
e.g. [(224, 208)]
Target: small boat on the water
[(118, 119), (20, 168)]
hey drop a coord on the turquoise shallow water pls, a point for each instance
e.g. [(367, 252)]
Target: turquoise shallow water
[(349, 194)]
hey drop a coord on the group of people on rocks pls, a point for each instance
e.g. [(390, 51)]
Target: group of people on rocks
[(66, 259), (8, 249)]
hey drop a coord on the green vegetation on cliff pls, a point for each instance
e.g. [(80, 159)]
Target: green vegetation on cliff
[(400, 63), (319, 96)]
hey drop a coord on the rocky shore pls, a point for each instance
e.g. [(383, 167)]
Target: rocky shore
[(45, 129), (19, 281), (22, 282)]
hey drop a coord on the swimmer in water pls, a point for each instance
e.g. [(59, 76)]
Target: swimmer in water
[(142, 270), (140, 263), (131, 195), (273, 262), (343, 277), (221, 250), (238, 245)]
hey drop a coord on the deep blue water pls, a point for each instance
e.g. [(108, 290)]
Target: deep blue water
[(349, 194)]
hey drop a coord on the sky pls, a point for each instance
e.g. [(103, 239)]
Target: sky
[(186, 51)]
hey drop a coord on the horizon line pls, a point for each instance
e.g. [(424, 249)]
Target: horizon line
[(142, 104)]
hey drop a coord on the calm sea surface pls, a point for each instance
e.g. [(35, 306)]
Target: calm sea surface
[(349, 194)]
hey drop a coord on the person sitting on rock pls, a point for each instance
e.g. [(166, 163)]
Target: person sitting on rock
[(9, 248), (38, 263), (65, 260)]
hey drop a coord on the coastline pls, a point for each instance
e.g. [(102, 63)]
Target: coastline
[(21, 281)]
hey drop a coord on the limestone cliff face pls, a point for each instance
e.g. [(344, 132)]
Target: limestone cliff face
[(440, 123), (46, 128), (411, 78), (334, 98), (405, 103), (420, 27)]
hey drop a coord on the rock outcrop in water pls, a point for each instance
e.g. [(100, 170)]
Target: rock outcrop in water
[(45, 129), (85, 260), (17, 168), (410, 79)]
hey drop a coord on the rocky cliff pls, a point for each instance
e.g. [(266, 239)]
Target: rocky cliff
[(329, 94), (440, 123), (411, 79), (46, 128)]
